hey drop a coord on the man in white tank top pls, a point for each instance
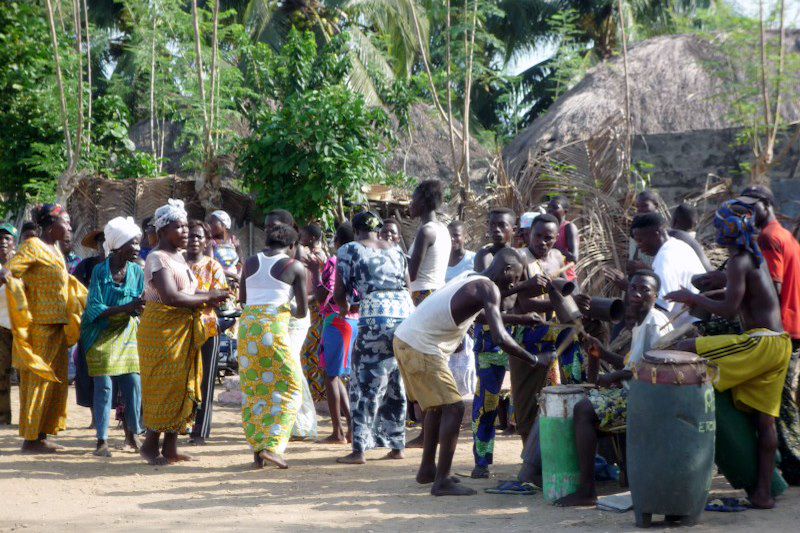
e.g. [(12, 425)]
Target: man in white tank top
[(422, 344), (430, 251)]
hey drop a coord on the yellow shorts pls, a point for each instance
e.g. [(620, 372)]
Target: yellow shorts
[(427, 377), (753, 364)]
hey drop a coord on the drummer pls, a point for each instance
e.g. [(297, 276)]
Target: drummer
[(424, 341), (753, 364), (607, 407)]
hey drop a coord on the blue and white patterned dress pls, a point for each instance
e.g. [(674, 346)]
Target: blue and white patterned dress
[(377, 396)]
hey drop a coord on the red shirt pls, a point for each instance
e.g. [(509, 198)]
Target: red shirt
[(782, 254)]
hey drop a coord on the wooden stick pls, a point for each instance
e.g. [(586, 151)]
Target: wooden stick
[(561, 270), (686, 308)]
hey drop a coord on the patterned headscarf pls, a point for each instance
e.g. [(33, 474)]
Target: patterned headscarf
[(367, 221), (734, 223), (47, 212), (166, 214), (223, 217)]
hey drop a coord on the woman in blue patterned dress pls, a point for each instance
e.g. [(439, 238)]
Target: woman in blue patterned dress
[(377, 271)]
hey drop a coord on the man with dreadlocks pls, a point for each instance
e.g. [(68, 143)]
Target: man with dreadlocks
[(752, 364)]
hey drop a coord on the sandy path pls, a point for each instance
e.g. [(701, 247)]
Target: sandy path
[(77, 491)]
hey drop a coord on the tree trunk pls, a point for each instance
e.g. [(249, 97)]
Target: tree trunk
[(153, 117), (434, 93), (62, 185), (76, 15), (89, 78), (449, 81), (214, 75), (628, 128), (200, 82), (469, 48)]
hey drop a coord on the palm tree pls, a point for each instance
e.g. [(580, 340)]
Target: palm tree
[(383, 37)]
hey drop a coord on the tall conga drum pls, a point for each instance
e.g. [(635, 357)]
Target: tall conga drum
[(560, 471), (670, 436)]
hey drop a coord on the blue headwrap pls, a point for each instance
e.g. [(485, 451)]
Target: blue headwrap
[(734, 223)]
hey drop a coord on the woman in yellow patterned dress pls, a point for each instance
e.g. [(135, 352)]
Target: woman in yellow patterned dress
[(42, 329), (170, 335), (271, 377)]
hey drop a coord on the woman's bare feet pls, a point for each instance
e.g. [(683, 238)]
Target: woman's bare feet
[(152, 457), (273, 458), (394, 455), (448, 487), (333, 439), (355, 458), (177, 457), (40, 446), (149, 450)]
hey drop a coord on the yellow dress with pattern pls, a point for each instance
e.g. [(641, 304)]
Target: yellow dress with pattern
[(43, 310)]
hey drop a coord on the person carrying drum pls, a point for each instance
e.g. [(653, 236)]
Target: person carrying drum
[(753, 364), (424, 341), (607, 406)]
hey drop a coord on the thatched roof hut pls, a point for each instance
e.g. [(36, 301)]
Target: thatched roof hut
[(681, 120), (426, 152)]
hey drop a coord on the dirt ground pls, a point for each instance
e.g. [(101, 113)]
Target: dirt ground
[(74, 490)]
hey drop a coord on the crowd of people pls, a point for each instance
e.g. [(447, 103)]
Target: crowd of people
[(382, 334)]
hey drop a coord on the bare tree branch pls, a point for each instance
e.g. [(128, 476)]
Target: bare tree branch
[(427, 66), (60, 82), (200, 82)]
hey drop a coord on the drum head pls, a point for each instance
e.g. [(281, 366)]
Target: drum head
[(671, 357), (564, 389)]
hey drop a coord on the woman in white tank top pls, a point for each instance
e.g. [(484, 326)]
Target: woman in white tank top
[(270, 376)]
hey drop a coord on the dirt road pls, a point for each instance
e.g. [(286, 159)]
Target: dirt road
[(76, 491)]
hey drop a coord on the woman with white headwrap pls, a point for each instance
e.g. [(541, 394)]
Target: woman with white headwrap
[(108, 331), (170, 336)]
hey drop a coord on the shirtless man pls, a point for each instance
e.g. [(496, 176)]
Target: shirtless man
[(542, 260), (753, 364), (501, 231), (425, 339), (492, 362)]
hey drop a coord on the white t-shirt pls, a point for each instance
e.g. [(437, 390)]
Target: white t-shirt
[(466, 264), (431, 328), (645, 335), (431, 272), (676, 263)]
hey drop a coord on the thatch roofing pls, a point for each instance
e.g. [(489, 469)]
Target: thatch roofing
[(672, 89), (96, 200), (426, 152)]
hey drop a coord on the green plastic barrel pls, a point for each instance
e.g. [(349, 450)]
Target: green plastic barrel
[(670, 437), (560, 471), (737, 446)]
